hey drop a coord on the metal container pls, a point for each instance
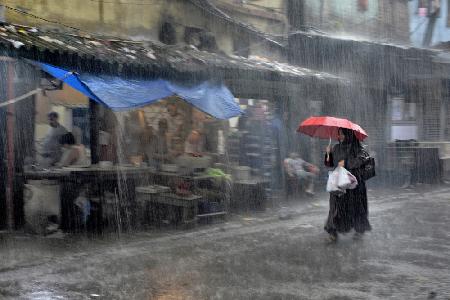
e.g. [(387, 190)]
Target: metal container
[(170, 168), (241, 173), (105, 164)]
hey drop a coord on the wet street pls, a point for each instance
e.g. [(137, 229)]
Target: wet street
[(254, 256)]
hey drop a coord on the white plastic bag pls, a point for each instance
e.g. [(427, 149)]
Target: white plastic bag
[(340, 180), (332, 183), (346, 180)]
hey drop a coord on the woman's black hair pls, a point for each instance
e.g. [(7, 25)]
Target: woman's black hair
[(350, 138), (67, 139)]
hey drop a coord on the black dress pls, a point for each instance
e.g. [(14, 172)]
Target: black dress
[(348, 211)]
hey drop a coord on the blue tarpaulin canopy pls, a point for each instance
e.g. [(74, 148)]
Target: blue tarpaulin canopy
[(122, 94)]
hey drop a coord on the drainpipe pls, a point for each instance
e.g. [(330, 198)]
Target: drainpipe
[(10, 123), (443, 116), (428, 37), (2, 14), (101, 12), (94, 131)]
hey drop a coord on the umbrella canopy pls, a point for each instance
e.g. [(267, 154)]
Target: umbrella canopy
[(327, 127)]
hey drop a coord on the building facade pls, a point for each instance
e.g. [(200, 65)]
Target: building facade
[(197, 22), (381, 20)]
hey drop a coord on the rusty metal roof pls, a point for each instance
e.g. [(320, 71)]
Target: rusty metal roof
[(142, 59)]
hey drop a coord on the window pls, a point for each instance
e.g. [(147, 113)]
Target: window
[(403, 120), (427, 8), (403, 111), (200, 38), (167, 34), (192, 36)]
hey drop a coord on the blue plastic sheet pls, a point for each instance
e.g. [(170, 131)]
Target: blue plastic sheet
[(69, 78), (122, 94)]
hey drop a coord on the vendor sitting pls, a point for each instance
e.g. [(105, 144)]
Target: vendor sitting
[(73, 154), (299, 170), (194, 144)]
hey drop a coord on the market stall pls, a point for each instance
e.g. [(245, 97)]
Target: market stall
[(171, 141), (129, 88)]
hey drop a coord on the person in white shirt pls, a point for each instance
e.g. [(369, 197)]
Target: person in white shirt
[(51, 148), (301, 170)]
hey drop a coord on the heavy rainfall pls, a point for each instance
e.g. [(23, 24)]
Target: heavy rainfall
[(225, 149)]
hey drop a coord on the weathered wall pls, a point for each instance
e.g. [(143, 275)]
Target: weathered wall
[(102, 17), (141, 20), (265, 15)]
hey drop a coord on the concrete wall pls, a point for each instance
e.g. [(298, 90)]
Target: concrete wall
[(102, 17), (265, 15)]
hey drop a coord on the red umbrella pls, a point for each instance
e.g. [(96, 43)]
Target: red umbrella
[(327, 127)]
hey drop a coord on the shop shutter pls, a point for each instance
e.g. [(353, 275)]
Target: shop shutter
[(431, 118), (447, 116)]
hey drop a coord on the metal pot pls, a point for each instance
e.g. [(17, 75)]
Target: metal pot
[(241, 173)]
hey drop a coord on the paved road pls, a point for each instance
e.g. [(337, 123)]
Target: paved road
[(406, 256)]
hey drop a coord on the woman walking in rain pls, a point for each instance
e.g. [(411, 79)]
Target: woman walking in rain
[(349, 210)]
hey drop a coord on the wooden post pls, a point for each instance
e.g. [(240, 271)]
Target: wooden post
[(94, 131), (10, 123), (443, 115)]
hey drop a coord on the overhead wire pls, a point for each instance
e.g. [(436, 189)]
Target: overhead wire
[(19, 11), (129, 3), (41, 18)]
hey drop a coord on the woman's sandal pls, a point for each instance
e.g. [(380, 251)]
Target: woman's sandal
[(332, 238)]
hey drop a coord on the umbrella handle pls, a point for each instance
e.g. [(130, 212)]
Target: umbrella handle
[(328, 154)]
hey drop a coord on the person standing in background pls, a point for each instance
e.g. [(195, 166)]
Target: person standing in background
[(51, 148), (279, 130)]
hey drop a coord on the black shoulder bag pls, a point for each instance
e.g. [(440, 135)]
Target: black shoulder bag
[(367, 170)]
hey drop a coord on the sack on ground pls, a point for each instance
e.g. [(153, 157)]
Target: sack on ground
[(41, 200)]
